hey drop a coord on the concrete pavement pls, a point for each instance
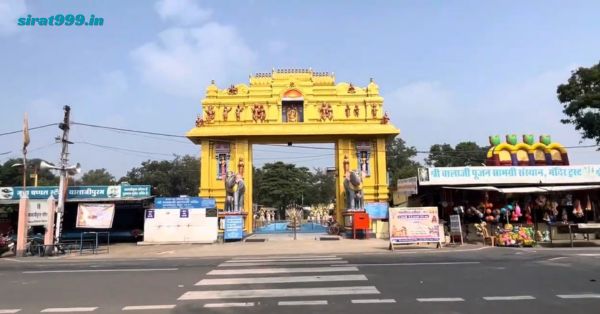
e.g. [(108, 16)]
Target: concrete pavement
[(274, 246)]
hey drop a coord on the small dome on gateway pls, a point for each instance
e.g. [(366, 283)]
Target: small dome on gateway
[(292, 93)]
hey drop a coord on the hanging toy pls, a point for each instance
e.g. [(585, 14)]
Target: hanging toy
[(577, 210), (518, 210), (565, 217), (588, 204), (540, 200), (514, 217), (528, 219), (554, 208), (546, 216)]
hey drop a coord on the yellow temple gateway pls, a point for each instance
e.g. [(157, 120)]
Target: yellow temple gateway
[(292, 106)]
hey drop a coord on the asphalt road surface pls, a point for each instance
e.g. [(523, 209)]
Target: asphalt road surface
[(491, 281)]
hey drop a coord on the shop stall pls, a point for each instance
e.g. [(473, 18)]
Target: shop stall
[(518, 205)]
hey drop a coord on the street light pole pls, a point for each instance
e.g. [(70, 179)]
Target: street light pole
[(64, 158)]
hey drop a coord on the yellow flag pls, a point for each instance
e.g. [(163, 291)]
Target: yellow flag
[(25, 133)]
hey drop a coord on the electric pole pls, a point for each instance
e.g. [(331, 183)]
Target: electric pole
[(64, 159)]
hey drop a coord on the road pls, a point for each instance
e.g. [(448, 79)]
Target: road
[(491, 281)]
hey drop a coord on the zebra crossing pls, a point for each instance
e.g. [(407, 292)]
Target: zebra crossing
[(239, 282)]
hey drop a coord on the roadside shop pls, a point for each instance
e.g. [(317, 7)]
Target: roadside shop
[(518, 205)]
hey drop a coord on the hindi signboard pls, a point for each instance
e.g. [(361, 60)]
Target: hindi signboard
[(95, 216), (37, 212), (184, 202), (407, 186), (509, 175), (234, 227), (414, 225), (78, 192), (455, 227)]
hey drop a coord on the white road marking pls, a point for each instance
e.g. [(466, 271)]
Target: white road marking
[(284, 260), (316, 302), (589, 254), (69, 309), (277, 293), (98, 270), (280, 270), (282, 257), (368, 301), (509, 298), (257, 280), (440, 299), (9, 311), (579, 296), (13, 260), (556, 258), (148, 307), (282, 263), (417, 264), (244, 304)]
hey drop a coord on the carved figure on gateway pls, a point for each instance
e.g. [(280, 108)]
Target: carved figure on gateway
[(353, 189), (234, 192)]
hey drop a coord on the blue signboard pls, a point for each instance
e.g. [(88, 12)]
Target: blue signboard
[(184, 213), (234, 228), (184, 202), (149, 213), (78, 192), (377, 210)]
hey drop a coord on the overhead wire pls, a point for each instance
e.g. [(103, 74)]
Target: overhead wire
[(123, 149), (132, 131), (30, 129)]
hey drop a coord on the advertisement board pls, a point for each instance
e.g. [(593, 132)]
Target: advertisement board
[(414, 225), (181, 220), (234, 228), (95, 216)]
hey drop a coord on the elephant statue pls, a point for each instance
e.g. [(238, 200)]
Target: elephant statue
[(353, 189), (234, 192)]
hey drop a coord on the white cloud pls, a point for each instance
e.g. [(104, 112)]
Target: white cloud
[(427, 113), (183, 12), (10, 12), (184, 60), (424, 111)]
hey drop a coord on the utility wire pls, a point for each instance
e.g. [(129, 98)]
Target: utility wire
[(30, 129), (275, 145), (128, 130), (124, 149)]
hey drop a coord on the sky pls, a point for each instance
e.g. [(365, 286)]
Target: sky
[(449, 71)]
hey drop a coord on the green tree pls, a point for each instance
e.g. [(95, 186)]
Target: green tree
[(13, 176), (279, 184), (440, 155), (321, 189), (97, 177), (180, 176), (399, 158), (580, 97), (463, 154)]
